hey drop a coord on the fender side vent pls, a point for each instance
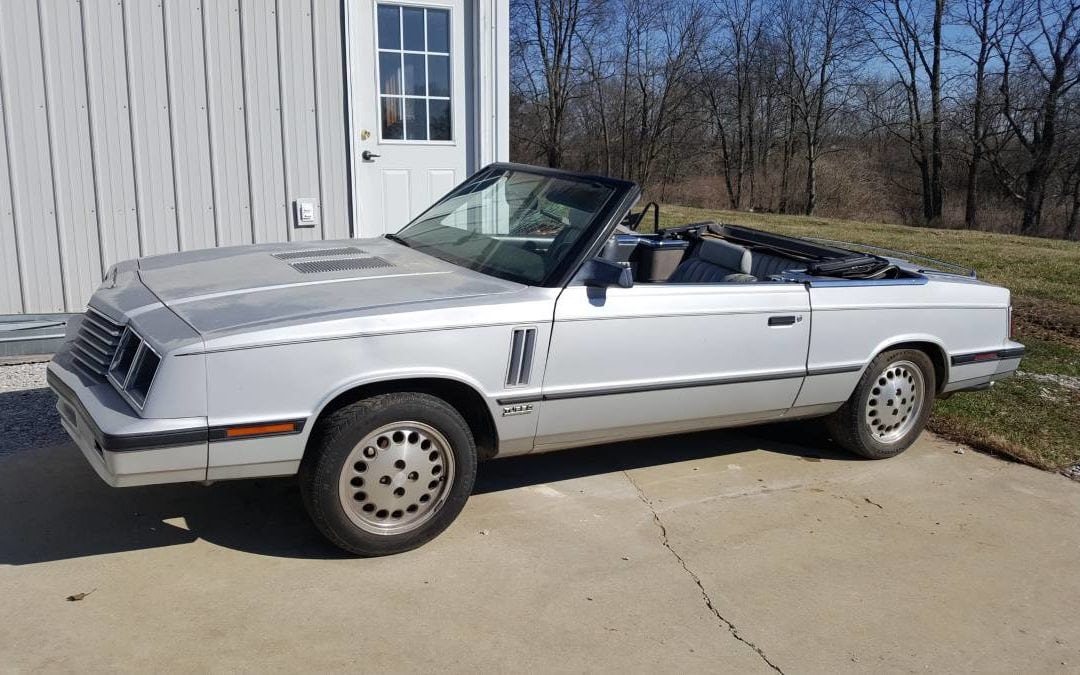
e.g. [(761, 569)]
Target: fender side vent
[(319, 253), (522, 346), (339, 265)]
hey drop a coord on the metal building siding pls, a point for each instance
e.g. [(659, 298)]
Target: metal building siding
[(139, 127), (330, 106), (29, 174), (270, 215), (295, 56), (109, 116), (10, 282), (228, 139)]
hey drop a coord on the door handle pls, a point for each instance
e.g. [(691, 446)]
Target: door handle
[(368, 155), (782, 320)]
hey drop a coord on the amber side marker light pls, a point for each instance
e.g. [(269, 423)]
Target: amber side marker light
[(261, 430)]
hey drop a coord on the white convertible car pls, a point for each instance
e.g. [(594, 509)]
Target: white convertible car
[(520, 313)]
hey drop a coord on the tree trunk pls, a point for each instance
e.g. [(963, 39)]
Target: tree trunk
[(785, 170), (554, 156), (937, 191), (811, 180), (971, 190), (1072, 229), (1033, 200)]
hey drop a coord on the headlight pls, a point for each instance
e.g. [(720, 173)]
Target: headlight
[(133, 367)]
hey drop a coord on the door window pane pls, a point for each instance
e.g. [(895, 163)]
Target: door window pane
[(389, 27), (413, 18), (438, 30), (439, 119), (438, 76), (413, 57), (414, 75), (392, 122), (389, 72), (415, 119)]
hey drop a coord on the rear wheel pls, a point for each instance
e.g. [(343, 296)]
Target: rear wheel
[(889, 407), (389, 473)]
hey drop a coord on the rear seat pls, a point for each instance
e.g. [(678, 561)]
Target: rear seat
[(766, 265), (715, 260)]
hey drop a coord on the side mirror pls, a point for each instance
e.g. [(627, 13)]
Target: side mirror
[(600, 273)]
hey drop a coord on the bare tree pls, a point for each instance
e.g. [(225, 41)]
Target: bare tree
[(663, 63), (1039, 69), (901, 38), (550, 28), (820, 37), (728, 83), (907, 109), (986, 21)]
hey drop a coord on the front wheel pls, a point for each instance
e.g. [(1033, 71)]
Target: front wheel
[(889, 407), (389, 473)]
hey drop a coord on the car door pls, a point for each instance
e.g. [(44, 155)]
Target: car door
[(666, 358)]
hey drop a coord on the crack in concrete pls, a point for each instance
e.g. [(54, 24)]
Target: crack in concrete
[(696, 579)]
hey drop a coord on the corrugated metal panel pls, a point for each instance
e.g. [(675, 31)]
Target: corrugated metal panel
[(270, 214), (109, 115), (189, 131), (299, 138), (30, 171), (138, 127), (330, 95), (228, 139), (10, 284), (69, 148), (148, 96)]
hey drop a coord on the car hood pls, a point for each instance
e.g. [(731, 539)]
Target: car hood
[(227, 289)]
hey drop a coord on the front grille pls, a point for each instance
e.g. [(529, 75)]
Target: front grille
[(95, 343)]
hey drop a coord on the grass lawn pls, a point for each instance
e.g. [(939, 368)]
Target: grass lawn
[(1033, 417)]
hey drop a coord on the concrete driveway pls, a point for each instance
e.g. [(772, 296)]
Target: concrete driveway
[(748, 551)]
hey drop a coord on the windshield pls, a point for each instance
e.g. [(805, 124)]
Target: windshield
[(510, 224)]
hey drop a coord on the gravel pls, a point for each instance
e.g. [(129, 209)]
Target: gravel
[(28, 416)]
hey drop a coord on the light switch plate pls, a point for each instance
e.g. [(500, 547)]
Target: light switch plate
[(305, 213)]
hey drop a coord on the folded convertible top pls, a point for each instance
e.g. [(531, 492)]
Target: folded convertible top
[(821, 260)]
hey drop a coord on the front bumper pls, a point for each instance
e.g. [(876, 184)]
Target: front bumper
[(123, 448)]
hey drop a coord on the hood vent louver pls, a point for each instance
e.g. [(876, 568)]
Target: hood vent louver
[(339, 265), (319, 253), (340, 259)]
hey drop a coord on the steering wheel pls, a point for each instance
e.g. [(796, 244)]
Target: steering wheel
[(559, 244)]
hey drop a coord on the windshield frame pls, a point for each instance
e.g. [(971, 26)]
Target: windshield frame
[(623, 195)]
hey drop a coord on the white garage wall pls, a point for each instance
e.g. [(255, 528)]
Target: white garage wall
[(139, 127)]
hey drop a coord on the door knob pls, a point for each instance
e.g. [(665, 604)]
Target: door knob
[(368, 155)]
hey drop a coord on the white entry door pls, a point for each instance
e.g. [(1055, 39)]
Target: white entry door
[(409, 84)]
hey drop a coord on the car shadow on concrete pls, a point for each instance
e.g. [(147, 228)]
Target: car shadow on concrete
[(53, 506)]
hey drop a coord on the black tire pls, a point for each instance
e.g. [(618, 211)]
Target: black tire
[(854, 431), (337, 437)]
